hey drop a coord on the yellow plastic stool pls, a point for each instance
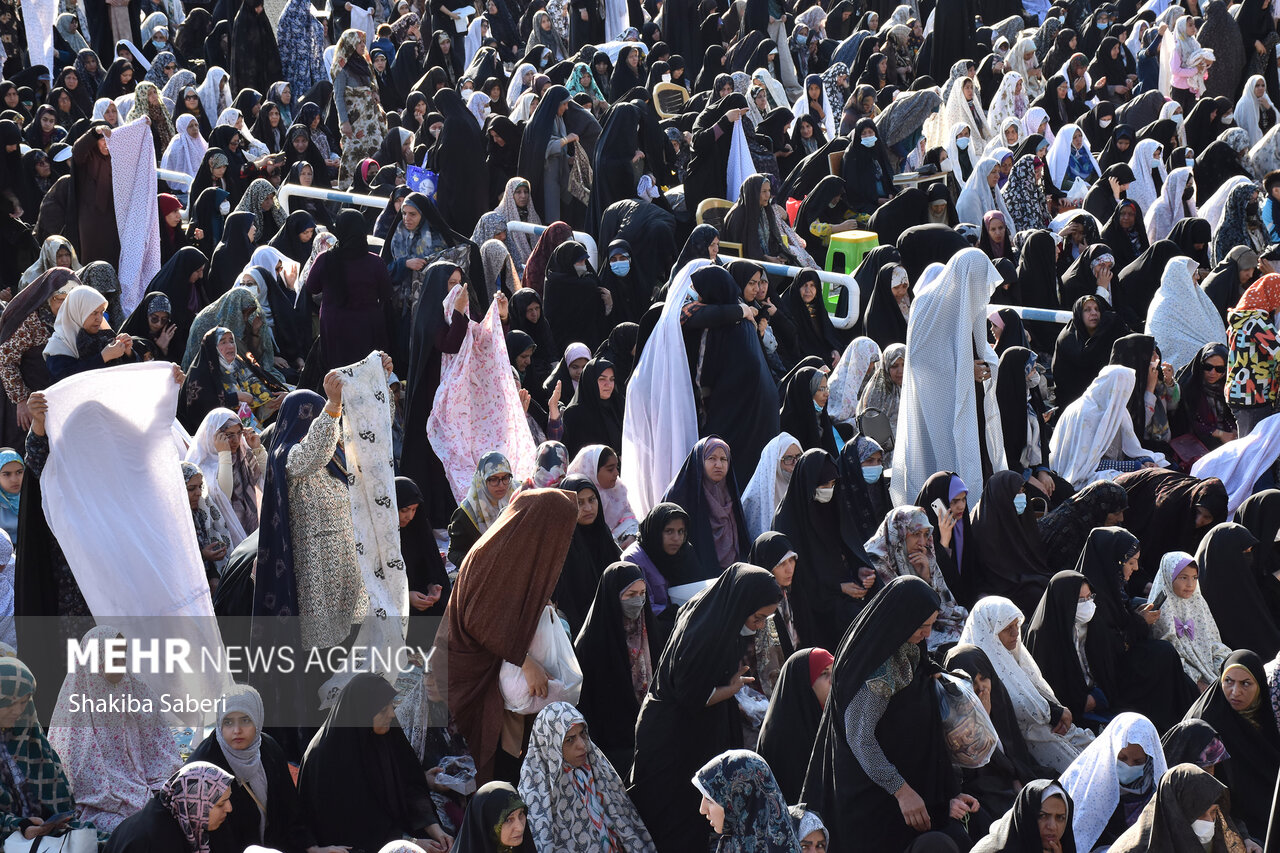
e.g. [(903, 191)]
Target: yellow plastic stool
[(843, 255)]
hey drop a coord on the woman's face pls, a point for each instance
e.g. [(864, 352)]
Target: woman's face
[(1129, 566), (1009, 636), (575, 368), (1239, 688), (498, 485), (588, 506), (412, 217), (62, 258), (126, 76), (917, 541), (959, 504), (544, 23), (1011, 135), (382, 720), (1062, 90), (173, 218), (673, 536), (195, 489), (1052, 822), (822, 686), (193, 130), (762, 103), (48, 121), (823, 393), (1259, 89), (233, 144), (967, 88), (512, 834), (93, 322), (607, 473), (806, 130), (606, 382), (751, 290), (227, 346), (11, 477), (996, 229), (782, 573), (64, 102), (808, 291), (1092, 315), (521, 195), (633, 59), (1184, 585), (714, 813), (218, 813), (896, 370), (1133, 755), (238, 728), (713, 249), (156, 323), (815, 92), (575, 745), (11, 99), (766, 193), (756, 620), (407, 513), (922, 633), (715, 466)]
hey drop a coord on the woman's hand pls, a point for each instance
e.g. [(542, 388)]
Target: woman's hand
[(346, 128), (244, 396), (912, 808), (387, 367), (553, 403), (221, 442), (1045, 482), (535, 676), (37, 407), (853, 590), (946, 524), (740, 680), (525, 400), (214, 551), (460, 304), (416, 264), (500, 300), (748, 313), (251, 438), (418, 601), (1149, 614), (24, 416), (165, 336), (333, 389), (118, 348), (1064, 722), (962, 805)]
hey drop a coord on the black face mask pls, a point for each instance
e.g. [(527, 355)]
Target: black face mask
[(1251, 209), (1189, 193)]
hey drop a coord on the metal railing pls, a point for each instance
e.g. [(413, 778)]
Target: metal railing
[(593, 251), (1042, 315), (838, 281), (288, 191), (175, 177)]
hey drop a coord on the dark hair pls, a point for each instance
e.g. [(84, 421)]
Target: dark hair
[(1271, 180)]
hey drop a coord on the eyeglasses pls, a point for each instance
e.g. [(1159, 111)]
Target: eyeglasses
[(1214, 368), (499, 480), (1089, 597), (790, 460)]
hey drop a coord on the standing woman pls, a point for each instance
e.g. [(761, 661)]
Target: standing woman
[(791, 723), (546, 155), (25, 327), (355, 96), (458, 158), (95, 199), (355, 291), (880, 770), (687, 717), (707, 490)]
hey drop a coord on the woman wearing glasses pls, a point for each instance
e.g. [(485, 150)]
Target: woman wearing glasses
[(1204, 401)]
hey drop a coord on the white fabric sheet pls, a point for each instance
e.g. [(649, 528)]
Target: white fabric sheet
[(133, 178), (1239, 464), (39, 16), (135, 557)]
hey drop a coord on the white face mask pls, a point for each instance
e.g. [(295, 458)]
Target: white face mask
[(224, 208), (944, 166), (746, 632), (1177, 119), (1084, 611), (1204, 830), (1104, 122), (823, 494), (666, 78), (1228, 118)]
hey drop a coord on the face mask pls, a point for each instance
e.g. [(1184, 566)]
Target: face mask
[(1104, 122), (1156, 162), (962, 143), (868, 141), (1228, 118), (1128, 774), (746, 632), (1102, 25), (580, 269), (224, 208), (1204, 830), (1177, 119), (666, 78), (945, 165), (1251, 208), (871, 473), (824, 494), (620, 268), (435, 132), (1084, 611), (632, 607), (1019, 503)]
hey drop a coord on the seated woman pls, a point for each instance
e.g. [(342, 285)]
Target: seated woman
[(428, 582), (1239, 709), (902, 546), (883, 394), (687, 716), (496, 821), (1084, 347), (815, 334), (880, 772), (212, 536), (1048, 728), (707, 490), (82, 312), (1010, 556), (151, 321), (181, 816), (1113, 779), (576, 799), (1094, 437), (220, 378), (1204, 413), (791, 724), (1191, 809), (12, 468), (769, 482), (804, 412), (113, 759), (750, 223), (1064, 531), (617, 648), (594, 414), (664, 553), (1041, 816), (265, 808), (27, 325), (1185, 620), (590, 552), (743, 804), (777, 640), (599, 464), (238, 310), (954, 543), (488, 496), (233, 460), (361, 741)]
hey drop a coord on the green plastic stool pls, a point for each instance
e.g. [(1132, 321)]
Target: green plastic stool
[(846, 251)]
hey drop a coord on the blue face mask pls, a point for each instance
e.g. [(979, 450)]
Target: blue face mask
[(871, 473), (1019, 503), (868, 141), (620, 268), (1128, 774), (1101, 25), (962, 143)]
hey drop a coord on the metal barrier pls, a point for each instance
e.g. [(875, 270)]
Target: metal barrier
[(1042, 315), (175, 177), (593, 251), (288, 191)]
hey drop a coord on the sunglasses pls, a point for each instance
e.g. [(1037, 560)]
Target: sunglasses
[(1213, 368)]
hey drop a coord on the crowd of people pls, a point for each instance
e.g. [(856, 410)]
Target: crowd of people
[(687, 542)]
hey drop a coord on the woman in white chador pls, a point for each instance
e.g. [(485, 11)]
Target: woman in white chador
[(1094, 439), (1182, 317), (994, 625)]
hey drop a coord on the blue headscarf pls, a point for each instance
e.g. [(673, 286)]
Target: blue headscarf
[(7, 455)]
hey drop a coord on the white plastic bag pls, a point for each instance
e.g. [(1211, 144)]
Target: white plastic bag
[(970, 735)]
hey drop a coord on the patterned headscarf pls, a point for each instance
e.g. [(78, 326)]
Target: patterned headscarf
[(1188, 623), (161, 124), (519, 244), (586, 808), (553, 461), (477, 504), (888, 552), (834, 93), (755, 812), (190, 795), (41, 779), (1024, 198), (252, 200)]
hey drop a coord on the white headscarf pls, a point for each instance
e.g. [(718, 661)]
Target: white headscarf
[(185, 151), (938, 422), (1031, 122), (1089, 426), (80, 303), (1188, 624), (953, 152), (957, 109), (1143, 188), (477, 104), (1167, 208), (1091, 779), (1006, 103), (1182, 318), (212, 98), (767, 486), (978, 197), (801, 108), (998, 147), (1215, 207), (204, 455), (516, 87), (1250, 108), (1060, 153), (849, 377)]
